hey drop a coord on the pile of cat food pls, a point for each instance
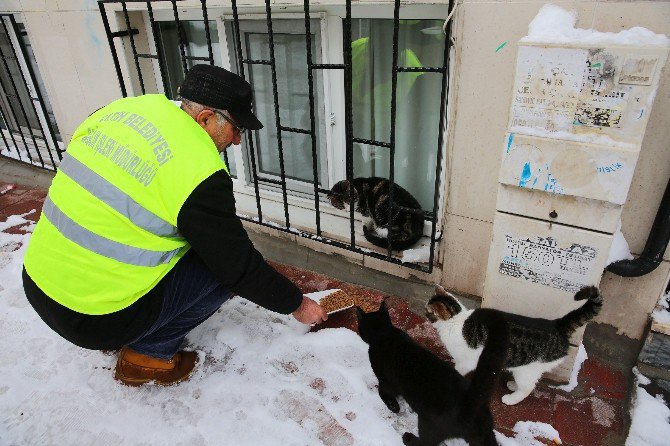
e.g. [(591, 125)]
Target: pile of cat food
[(341, 300)]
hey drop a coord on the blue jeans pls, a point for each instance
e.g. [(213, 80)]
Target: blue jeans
[(191, 294)]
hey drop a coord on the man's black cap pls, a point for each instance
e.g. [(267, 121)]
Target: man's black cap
[(218, 88)]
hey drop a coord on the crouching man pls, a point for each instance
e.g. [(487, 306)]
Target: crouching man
[(138, 242)]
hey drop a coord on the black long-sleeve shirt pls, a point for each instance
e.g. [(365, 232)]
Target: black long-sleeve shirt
[(207, 220)]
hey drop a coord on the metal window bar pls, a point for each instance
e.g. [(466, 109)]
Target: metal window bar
[(16, 96), (180, 36), (26, 71), (350, 139), (38, 93), (312, 119), (348, 112), (154, 32), (394, 96), (275, 94), (10, 131), (249, 136)]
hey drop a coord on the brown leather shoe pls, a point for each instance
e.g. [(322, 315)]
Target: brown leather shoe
[(135, 369)]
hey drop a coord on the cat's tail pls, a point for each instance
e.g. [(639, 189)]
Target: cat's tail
[(490, 364), (576, 318)]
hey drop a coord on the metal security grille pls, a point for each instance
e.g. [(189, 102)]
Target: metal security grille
[(27, 132), (127, 33)]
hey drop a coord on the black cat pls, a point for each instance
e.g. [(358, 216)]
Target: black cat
[(371, 196), (448, 408)]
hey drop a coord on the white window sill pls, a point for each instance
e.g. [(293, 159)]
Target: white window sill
[(334, 222)]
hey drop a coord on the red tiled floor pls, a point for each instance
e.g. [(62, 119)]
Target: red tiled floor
[(588, 421), (590, 415), (536, 407), (606, 382), (19, 201)]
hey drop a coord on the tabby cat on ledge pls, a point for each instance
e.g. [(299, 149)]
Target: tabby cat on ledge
[(447, 407), (371, 197), (536, 345)]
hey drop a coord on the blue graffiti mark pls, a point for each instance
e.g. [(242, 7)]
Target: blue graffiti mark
[(534, 182), (609, 169), (552, 185), (509, 141), (641, 113), (525, 175)]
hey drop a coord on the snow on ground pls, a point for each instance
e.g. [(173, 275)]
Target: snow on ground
[(262, 380), (527, 432), (650, 417)]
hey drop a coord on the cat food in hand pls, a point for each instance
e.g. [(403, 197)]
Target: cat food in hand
[(341, 300), (364, 303), (337, 301)]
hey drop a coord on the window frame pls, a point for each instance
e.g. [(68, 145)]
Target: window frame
[(301, 206), (281, 25)]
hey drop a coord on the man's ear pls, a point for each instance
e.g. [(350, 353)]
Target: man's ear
[(203, 118)]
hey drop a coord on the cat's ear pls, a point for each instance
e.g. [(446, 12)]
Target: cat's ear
[(359, 313)]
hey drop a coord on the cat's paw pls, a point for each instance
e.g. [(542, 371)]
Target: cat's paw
[(409, 439), (513, 398), (511, 385)]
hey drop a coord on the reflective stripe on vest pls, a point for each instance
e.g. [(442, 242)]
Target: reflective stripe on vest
[(101, 245), (115, 198)]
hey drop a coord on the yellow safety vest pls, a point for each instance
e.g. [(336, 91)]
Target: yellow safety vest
[(108, 229)]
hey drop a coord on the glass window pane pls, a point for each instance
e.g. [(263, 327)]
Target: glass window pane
[(194, 39), (195, 44), (421, 44), (293, 96)]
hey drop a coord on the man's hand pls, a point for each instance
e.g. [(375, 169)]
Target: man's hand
[(309, 312)]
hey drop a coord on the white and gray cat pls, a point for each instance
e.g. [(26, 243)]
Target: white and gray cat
[(536, 345)]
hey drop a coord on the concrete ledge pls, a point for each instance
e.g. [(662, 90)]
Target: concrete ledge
[(13, 171), (339, 263)]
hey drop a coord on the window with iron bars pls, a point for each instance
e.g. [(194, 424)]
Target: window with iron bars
[(340, 96), (28, 128)]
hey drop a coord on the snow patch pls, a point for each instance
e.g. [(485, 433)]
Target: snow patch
[(420, 253), (661, 314), (528, 433), (650, 417), (579, 360), (553, 24), (619, 249), (17, 220)]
